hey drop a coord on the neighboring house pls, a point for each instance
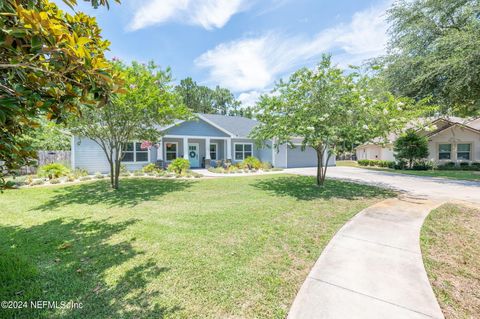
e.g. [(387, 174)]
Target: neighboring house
[(451, 140), (209, 138)]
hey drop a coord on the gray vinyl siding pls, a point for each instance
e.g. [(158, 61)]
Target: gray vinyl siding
[(195, 128), (281, 156), (306, 158), (89, 155), (265, 153)]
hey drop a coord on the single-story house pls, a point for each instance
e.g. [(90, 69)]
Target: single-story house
[(450, 139), (210, 137)]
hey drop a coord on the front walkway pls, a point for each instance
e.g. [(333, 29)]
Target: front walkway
[(372, 268)]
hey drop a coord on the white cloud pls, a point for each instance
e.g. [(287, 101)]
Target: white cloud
[(255, 63), (209, 14), (249, 98)]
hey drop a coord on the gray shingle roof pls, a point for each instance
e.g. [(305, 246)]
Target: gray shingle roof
[(237, 125)]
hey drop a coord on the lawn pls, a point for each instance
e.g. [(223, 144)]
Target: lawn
[(450, 242), (461, 175), (226, 247)]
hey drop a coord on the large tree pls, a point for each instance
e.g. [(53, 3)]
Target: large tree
[(51, 63), (202, 99), (324, 107), (149, 102), (434, 51)]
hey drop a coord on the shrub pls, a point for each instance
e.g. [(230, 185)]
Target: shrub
[(149, 168), (55, 181), (464, 164), (411, 147), (79, 172), (179, 165), (21, 180), (422, 166), (138, 173), (71, 178), (37, 182), (85, 178), (363, 162), (99, 175), (251, 162), (53, 170), (266, 166)]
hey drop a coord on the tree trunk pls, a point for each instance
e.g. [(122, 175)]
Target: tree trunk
[(111, 172), (320, 172), (116, 174)]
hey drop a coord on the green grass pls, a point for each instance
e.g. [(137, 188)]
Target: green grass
[(235, 247), (347, 163), (460, 175), (450, 241)]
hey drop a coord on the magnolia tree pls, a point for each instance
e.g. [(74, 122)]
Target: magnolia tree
[(324, 107), (149, 102), (51, 63)]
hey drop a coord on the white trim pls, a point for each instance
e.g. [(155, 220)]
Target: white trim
[(273, 153), (160, 150), (72, 150), (197, 137), (216, 150), (165, 150), (286, 155), (216, 126), (185, 147), (243, 152), (135, 155)]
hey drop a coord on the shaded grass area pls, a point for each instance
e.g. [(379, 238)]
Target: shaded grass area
[(450, 241), (460, 175), (233, 247)]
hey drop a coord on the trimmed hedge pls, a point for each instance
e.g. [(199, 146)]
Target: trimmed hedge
[(377, 163)]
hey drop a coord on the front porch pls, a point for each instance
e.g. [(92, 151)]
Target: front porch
[(199, 150)]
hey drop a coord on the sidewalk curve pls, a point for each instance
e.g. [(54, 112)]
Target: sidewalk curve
[(373, 267)]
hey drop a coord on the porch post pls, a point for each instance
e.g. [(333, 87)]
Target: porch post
[(229, 149), (185, 148), (207, 152), (160, 151), (207, 148)]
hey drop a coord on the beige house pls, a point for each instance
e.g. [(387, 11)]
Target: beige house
[(449, 140)]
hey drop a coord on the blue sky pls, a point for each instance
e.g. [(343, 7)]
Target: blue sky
[(244, 45)]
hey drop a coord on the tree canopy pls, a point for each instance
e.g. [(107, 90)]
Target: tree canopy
[(149, 102), (411, 146), (434, 51), (51, 64), (202, 99), (324, 107)]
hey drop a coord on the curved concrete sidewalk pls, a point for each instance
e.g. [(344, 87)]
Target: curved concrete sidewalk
[(372, 268)]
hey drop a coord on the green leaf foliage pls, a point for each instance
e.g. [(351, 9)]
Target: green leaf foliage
[(434, 51), (410, 147)]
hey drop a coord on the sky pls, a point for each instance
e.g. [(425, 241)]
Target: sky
[(243, 45)]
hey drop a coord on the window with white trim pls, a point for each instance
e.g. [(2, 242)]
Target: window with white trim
[(463, 151), (133, 152), (444, 151), (242, 151), (213, 151), (171, 151)]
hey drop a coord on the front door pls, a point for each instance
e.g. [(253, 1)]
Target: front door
[(193, 156)]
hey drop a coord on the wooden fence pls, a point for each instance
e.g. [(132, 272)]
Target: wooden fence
[(47, 157)]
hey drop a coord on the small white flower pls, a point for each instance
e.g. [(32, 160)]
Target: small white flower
[(385, 111), (400, 104), (365, 126)]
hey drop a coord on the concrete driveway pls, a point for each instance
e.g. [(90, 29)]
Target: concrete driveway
[(431, 187), (373, 267)]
